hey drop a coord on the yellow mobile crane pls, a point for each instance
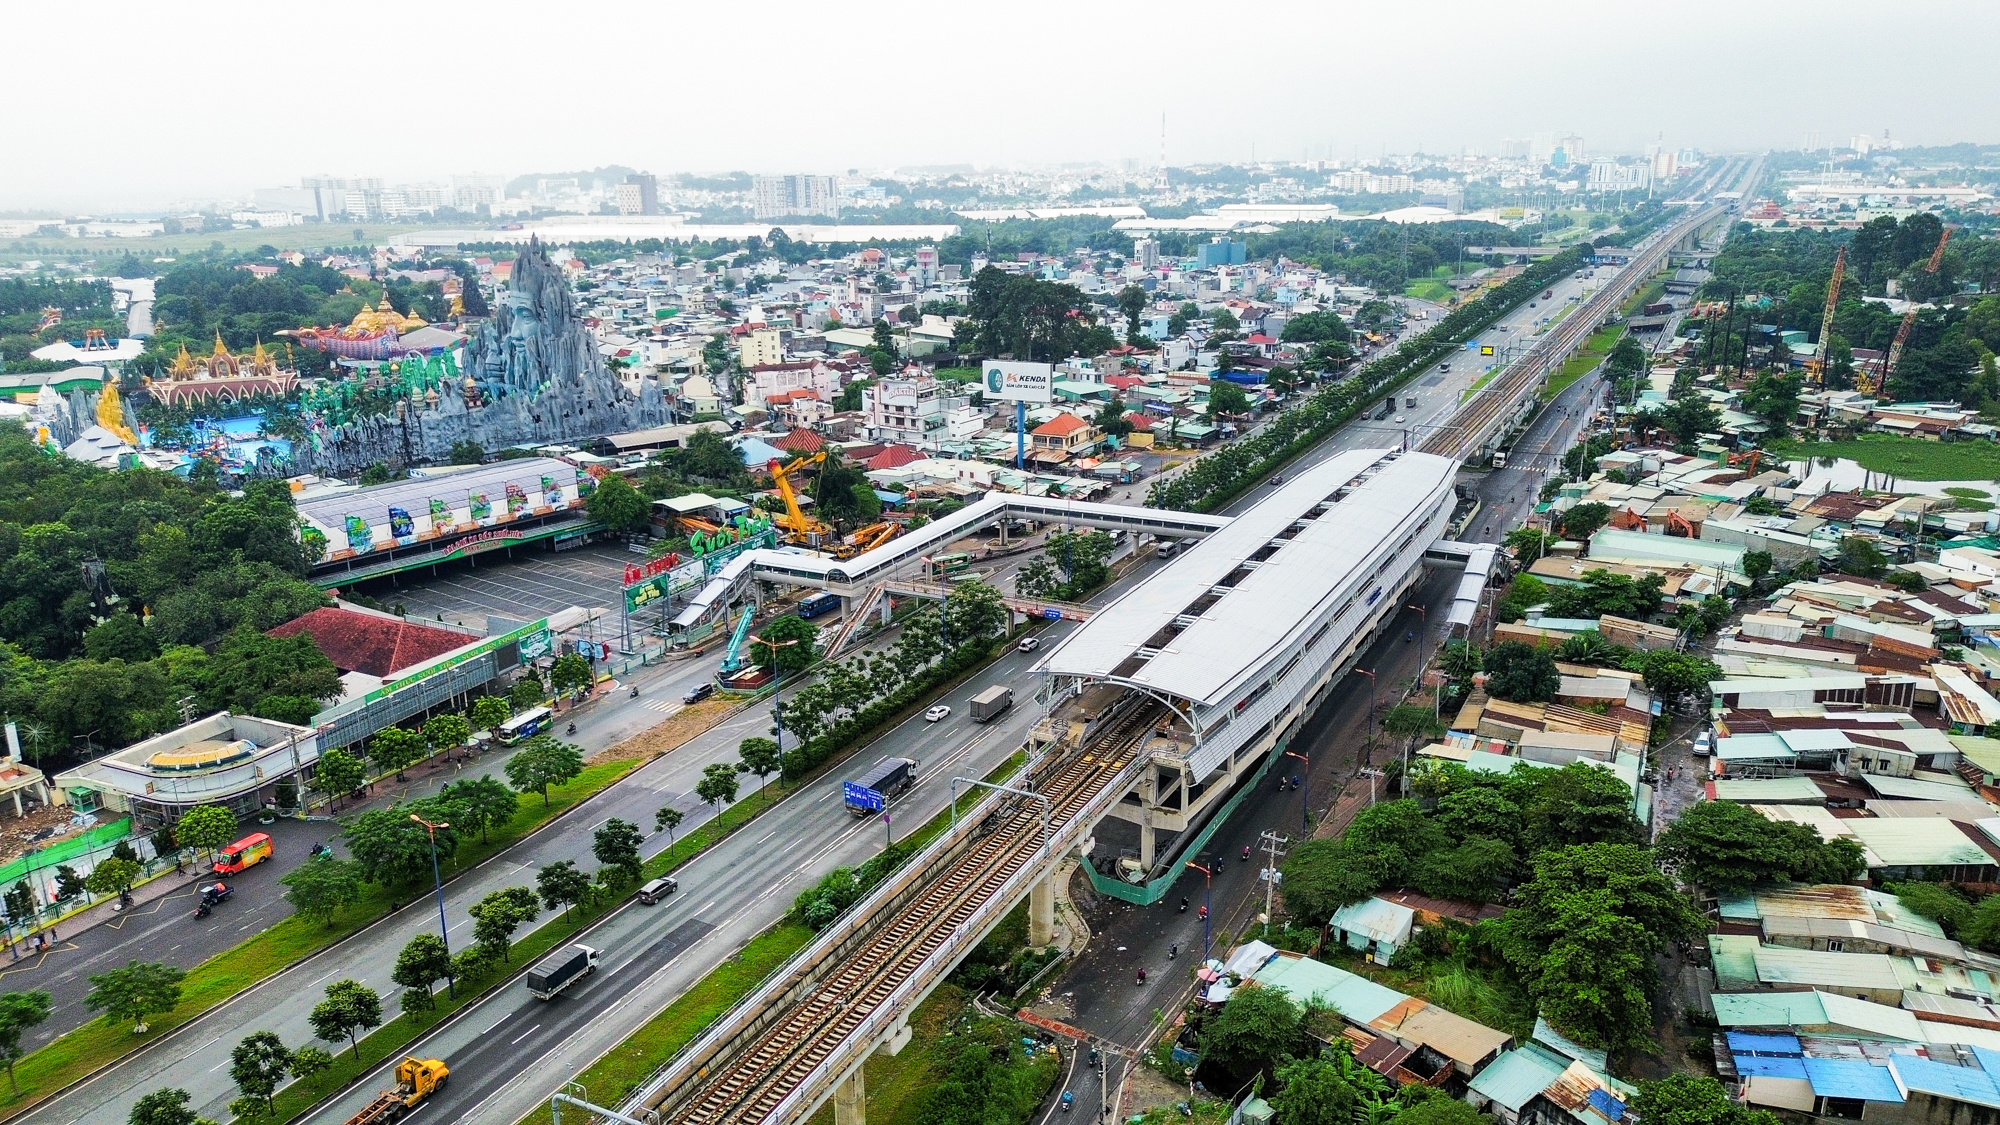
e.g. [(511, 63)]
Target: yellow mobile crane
[(802, 528), (1868, 386)]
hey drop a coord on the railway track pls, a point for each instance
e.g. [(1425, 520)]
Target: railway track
[(1460, 438), (752, 1085)]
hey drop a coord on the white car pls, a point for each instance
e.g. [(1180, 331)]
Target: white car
[(936, 713), (1028, 644), (1704, 744)]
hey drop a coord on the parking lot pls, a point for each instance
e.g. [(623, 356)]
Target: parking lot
[(530, 585)]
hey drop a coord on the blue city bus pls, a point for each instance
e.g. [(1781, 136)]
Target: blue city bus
[(819, 604)]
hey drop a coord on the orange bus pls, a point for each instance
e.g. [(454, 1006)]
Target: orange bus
[(250, 851)]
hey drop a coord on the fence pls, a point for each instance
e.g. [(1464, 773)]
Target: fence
[(1145, 894)]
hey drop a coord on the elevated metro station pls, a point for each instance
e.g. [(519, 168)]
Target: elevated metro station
[(1157, 713), (1237, 643)]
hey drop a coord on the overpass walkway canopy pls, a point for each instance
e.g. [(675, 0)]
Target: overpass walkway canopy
[(801, 569)]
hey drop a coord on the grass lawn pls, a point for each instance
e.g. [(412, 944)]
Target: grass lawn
[(1583, 360), (1436, 292), (1909, 458), (70, 1057), (896, 1084)]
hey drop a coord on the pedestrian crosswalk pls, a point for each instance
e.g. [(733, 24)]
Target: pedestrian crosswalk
[(663, 706)]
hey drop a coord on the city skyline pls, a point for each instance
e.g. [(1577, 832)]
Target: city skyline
[(1314, 84)]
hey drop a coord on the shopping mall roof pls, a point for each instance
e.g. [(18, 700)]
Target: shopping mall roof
[(372, 504), (1253, 589)]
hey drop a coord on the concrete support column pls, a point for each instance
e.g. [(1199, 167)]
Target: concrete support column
[(850, 1100), (1146, 844), (1042, 911)]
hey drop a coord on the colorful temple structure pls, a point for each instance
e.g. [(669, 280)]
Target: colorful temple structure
[(221, 377), (372, 334)]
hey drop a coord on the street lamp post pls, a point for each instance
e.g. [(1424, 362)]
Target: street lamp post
[(777, 708), (1305, 791), (1371, 700), (437, 883)]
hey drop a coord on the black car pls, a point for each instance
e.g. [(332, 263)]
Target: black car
[(698, 692)]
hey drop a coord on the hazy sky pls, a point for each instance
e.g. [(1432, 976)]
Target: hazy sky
[(127, 105)]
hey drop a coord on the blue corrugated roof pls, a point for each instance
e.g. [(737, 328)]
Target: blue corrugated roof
[(1770, 1066), (1604, 1103), (1852, 1078), (1750, 1042), (1959, 1083)]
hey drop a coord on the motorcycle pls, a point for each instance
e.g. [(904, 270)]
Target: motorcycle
[(1183, 909), (1142, 976), (1173, 952), (321, 851), (635, 691), (1246, 853), (571, 729), (1068, 1099)]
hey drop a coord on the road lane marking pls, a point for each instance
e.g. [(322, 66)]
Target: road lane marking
[(525, 1034), (497, 1023)]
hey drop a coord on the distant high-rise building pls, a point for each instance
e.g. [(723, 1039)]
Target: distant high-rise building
[(774, 197), (1572, 149), (479, 189), (1147, 251), (924, 266), (639, 195), (337, 197)]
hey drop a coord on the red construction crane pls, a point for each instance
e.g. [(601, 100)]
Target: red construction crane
[(1816, 368), (1868, 386)]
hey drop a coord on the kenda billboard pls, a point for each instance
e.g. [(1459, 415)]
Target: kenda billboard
[(1018, 382)]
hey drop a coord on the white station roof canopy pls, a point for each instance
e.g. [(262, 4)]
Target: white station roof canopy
[(1253, 619)]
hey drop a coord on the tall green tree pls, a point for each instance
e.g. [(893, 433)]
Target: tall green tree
[(488, 712), (1256, 1029), (1583, 935), (1727, 848), (393, 749), (206, 828), (446, 732), (320, 888), (338, 772), (1521, 673), (20, 1013), (541, 762), (482, 802), (259, 1064), (134, 992), (165, 1107), (349, 1009), (616, 845), (617, 505), (717, 786), (423, 962), (561, 884), (499, 914)]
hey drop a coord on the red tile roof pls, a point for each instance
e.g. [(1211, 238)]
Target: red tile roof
[(376, 645), (801, 441), (1062, 425), (894, 457)]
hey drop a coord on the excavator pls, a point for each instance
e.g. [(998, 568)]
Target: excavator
[(1677, 524), (1754, 456)]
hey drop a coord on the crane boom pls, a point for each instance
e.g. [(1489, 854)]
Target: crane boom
[(796, 521), (1817, 369), (1909, 321)]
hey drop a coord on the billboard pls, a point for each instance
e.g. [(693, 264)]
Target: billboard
[(1017, 382)]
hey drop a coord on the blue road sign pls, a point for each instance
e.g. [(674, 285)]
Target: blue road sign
[(1052, 614), (860, 796)]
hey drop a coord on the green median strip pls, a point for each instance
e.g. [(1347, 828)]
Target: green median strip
[(75, 1055), (1583, 361), (619, 1073)]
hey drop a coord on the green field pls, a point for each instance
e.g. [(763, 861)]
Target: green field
[(108, 250), (1908, 458)]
